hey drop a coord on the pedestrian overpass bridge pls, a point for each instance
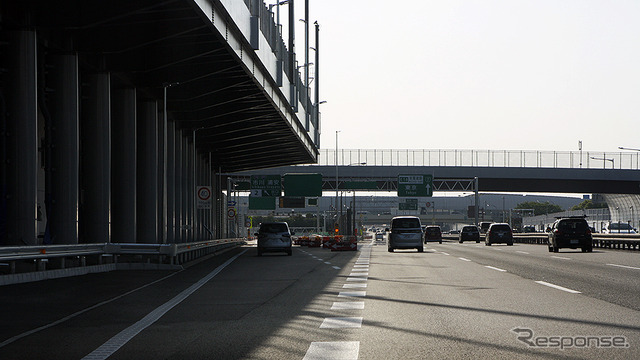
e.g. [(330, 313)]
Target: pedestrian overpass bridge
[(496, 170)]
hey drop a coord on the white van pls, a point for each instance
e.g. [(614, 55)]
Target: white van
[(274, 237), (618, 228), (405, 233)]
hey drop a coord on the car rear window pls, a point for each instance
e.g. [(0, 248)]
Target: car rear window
[(432, 230), (405, 223), (500, 228), (273, 228), (576, 224), (469, 228)]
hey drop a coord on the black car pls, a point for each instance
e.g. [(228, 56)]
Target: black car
[(433, 233), (499, 233), (570, 232), (469, 233)]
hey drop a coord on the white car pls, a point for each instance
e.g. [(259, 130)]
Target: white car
[(618, 228)]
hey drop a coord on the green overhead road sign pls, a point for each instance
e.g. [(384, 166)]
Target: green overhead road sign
[(262, 203), (415, 185), (407, 206), (266, 185), (303, 185)]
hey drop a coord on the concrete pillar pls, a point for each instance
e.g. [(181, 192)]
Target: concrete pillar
[(190, 192), (179, 214), (62, 210), (171, 182), (124, 164), (96, 160), (148, 182), (21, 141)]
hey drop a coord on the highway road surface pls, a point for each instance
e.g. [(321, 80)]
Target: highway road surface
[(454, 301)]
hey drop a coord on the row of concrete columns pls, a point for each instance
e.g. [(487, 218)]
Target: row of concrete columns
[(87, 159)]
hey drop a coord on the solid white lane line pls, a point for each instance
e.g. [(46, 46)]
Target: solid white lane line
[(352, 294), (353, 286), (463, 259), (353, 305), (625, 266), (341, 323), (560, 257), (495, 268), (558, 287), (331, 350), (522, 252), (112, 345)]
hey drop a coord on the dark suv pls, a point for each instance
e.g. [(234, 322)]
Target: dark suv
[(571, 232), (469, 232), (432, 233), (499, 233)]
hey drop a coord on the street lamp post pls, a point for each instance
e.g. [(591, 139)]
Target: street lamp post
[(580, 148), (337, 219), (637, 157), (605, 159)]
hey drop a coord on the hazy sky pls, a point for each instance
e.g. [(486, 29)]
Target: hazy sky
[(481, 74)]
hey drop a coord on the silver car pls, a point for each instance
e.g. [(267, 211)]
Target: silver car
[(405, 233), (274, 237)]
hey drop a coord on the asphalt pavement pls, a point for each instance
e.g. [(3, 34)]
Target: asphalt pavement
[(454, 301)]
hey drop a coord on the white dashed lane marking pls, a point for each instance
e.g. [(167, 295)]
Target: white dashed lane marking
[(353, 286), (344, 350), (558, 287), (341, 322), (495, 268), (353, 305), (352, 294), (625, 266)]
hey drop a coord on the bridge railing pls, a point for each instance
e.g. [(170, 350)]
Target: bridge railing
[(481, 158)]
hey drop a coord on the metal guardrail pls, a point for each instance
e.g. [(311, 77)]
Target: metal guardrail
[(604, 241), (38, 258)]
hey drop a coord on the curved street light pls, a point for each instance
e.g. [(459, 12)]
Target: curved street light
[(605, 159)]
